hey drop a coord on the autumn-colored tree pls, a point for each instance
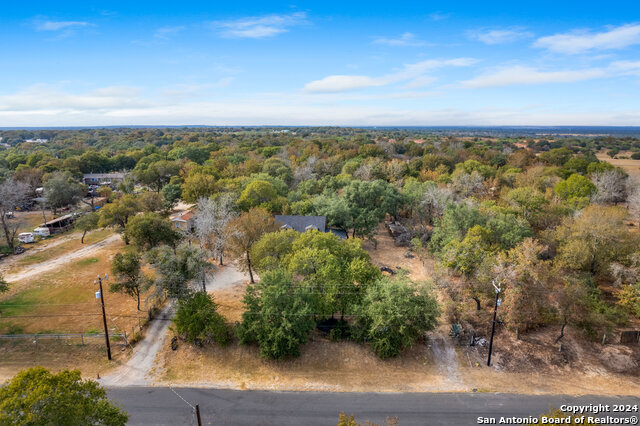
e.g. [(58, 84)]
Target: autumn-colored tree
[(592, 240), (244, 231)]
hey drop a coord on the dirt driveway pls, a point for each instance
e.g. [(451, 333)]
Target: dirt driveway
[(48, 265)]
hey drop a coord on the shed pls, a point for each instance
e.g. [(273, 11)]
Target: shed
[(60, 224)]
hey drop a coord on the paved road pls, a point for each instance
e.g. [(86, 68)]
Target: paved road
[(161, 406)]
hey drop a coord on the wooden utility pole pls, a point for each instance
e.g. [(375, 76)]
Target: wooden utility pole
[(104, 315), (493, 325), (198, 415)]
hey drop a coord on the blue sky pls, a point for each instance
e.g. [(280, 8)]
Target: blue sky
[(319, 63)]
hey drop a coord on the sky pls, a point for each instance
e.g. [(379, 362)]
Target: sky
[(427, 63)]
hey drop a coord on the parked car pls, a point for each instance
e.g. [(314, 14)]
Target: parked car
[(26, 237)]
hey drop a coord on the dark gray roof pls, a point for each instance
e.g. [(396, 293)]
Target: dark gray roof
[(302, 223), (338, 233)]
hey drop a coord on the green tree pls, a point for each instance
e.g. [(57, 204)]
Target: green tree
[(86, 223), (577, 189), (155, 174), (197, 318), (278, 316), (466, 255), (528, 201), (258, 193), (4, 285), (270, 251), (60, 190), (369, 202), (176, 268), (335, 209), (395, 313), (117, 214), (149, 230), (151, 202), (198, 185), (454, 224), (171, 193), (128, 275), (39, 397)]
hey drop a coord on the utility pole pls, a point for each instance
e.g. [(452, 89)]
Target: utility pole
[(104, 315), (198, 415), (493, 325)]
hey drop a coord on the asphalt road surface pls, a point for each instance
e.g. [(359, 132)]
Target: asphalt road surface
[(161, 406)]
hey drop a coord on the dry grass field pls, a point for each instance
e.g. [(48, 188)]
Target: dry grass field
[(632, 167), (63, 300)]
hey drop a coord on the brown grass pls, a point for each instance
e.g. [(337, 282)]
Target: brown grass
[(389, 255), (63, 300), (632, 167), (90, 358), (530, 365)]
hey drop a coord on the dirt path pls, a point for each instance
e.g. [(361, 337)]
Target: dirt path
[(11, 261), (54, 263), (225, 277), (136, 371)]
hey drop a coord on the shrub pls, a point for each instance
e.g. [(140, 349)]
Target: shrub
[(395, 313), (198, 320)]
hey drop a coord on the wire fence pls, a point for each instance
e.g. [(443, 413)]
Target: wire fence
[(69, 338)]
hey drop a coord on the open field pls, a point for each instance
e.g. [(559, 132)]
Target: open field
[(65, 297), (427, 367), (65, 243), (90, 358), (632, 167)]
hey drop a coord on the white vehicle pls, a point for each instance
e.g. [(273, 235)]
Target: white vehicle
[(26, 237), (42, 231)]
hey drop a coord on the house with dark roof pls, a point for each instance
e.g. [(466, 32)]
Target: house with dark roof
[(302, 223), (307, 223)]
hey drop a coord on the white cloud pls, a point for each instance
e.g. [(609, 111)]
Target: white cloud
[(43, 97), (192, 91), (259, 26), (499, 36), (128, 106), (580, 41), (523, 75), (165, 32), (60, 25), (343, 83), (626, 67), (406, 39), (438, 16)]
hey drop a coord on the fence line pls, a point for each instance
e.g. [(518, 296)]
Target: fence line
[(59, 336)]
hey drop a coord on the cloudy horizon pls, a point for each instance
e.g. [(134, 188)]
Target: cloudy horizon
[(321, 64)]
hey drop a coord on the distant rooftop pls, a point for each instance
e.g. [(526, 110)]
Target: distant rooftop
[(302, 223)]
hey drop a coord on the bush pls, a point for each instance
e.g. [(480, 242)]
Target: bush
[(394, 314), (278, 316), (198, 320)]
